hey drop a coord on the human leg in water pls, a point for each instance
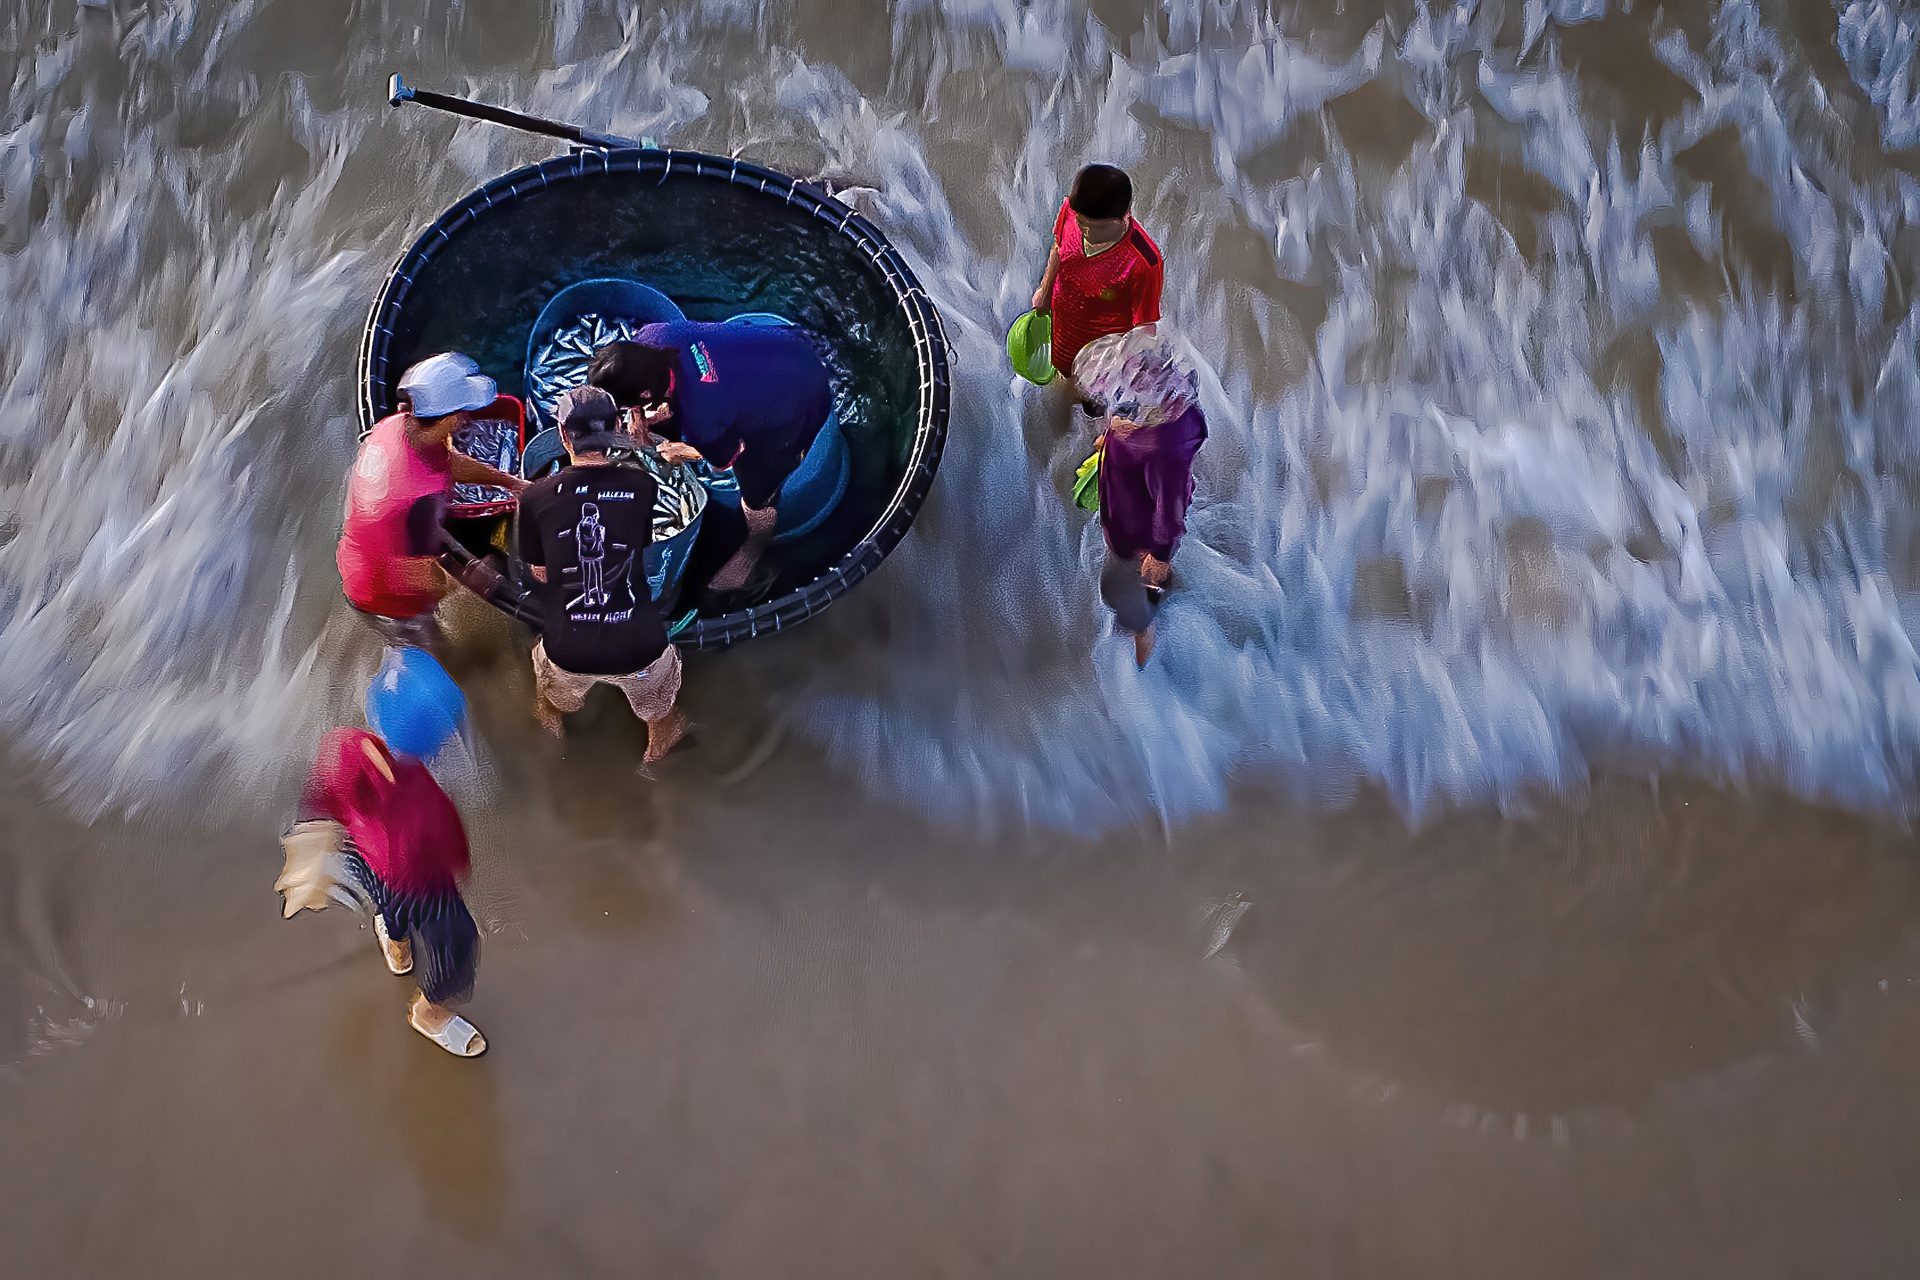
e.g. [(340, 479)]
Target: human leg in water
[(1135, 601), (723, 531), (548, 716), (1153, 575), (446, 953), (554, 693), (664, 734), (654, 695), (422, 631), (760, 475), (760, 522)]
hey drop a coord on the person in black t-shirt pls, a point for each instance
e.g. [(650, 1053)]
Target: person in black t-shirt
[(583, 534)]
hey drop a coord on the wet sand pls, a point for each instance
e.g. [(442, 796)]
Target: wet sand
[(769, 1029)]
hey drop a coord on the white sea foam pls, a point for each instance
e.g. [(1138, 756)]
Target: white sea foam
[(1452, 559), (158, 352), (1880, 39), (1518, 501)]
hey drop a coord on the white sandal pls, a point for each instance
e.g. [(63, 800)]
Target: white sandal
[(389, 948), (458, 1037)]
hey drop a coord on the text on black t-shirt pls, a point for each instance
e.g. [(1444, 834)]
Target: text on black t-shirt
[(589, 527)]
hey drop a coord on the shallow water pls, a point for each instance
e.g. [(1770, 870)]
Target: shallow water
[(1498, 871)]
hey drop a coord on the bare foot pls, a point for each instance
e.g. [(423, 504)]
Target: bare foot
[(426, 1016), (1142, 647), (664, 734), (733, 575)]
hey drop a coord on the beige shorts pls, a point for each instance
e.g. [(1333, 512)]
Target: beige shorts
[(651, 693)]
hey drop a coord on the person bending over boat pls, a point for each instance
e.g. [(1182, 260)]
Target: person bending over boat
[(583, 534), (746, 397), (398, 493), (404, 845), (1104, 275), (1152, 431), (639, 379)]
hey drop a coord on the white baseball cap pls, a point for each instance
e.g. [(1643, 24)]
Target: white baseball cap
[(447, 383)]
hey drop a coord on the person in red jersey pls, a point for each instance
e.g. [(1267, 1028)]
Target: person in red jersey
[(1104, 274)]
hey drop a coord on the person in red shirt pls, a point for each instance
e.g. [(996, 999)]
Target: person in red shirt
[(1104, 275), (405, 846), (398, 493)]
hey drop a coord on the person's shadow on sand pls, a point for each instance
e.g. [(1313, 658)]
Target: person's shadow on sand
[(435, 1113)]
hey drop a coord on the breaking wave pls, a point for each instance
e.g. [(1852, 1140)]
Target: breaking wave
[(1561, 373)]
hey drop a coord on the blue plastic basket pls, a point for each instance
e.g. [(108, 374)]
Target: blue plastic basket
[(613, 298)]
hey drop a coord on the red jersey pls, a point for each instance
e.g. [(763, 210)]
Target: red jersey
[(1115, 290), (407, 830)]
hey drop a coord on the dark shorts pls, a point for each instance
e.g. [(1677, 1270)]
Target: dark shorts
[(1134, 603), (760, 477), (723, 530), (446, 942), (421, 630)]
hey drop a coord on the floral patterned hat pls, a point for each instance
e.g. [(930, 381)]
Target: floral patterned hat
[(1140, 375)]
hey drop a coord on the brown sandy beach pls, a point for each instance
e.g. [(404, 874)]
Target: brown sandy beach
[(757, 1030)]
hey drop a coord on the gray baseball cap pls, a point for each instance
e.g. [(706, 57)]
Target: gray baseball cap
[(586, 413)]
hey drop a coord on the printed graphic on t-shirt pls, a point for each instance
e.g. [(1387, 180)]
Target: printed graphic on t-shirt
[(601, 575), (590, 538)]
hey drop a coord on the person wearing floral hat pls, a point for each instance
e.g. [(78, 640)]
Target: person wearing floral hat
[(1151, 431)]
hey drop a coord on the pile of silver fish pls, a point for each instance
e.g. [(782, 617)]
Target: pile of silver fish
[(562, 364), (491, 441)]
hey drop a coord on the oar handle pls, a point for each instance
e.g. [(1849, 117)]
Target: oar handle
[(398, 91)]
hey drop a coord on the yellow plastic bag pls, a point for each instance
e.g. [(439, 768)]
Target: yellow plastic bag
[(1086, 481)]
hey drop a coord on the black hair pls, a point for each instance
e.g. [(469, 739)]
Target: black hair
[(631, 372), (1101, 191), (403, 403)]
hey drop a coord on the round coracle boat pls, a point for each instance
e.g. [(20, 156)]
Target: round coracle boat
[(530, 273)]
